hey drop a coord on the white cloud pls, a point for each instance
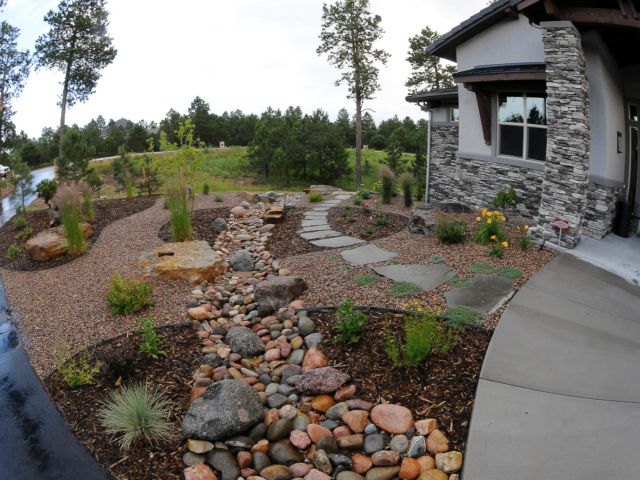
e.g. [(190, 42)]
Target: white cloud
[(236, 54)]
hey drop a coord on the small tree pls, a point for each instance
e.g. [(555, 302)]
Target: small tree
[(46, 190), (22, 179), (94, 180), (349, 32), (151, 180), (124, 170), (74, 161)]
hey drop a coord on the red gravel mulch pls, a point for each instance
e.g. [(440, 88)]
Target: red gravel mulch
[(443, 389), (201, 222), (119, 357), (107, 211)]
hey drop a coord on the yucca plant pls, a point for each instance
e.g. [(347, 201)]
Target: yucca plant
[(135, 413)]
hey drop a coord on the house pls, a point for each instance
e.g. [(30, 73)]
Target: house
[(546, 100)]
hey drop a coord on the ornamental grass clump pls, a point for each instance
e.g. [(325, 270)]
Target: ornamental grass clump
[(180, 216), (350, 322), (387, 177), (406, 181), (68, 199), (127, 296), (450, 229), (136, 413), (315, 197)]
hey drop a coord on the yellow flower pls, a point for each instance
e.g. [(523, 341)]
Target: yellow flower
[(478, 219), (505, 244), (489, 214), (489, 220), (526, 227), (484, 210), (502, 218), (405, 305), (517, 227), (493, 237), (419, 309)]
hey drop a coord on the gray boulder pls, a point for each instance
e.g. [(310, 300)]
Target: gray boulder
[(227, 408), (241, 261), (244, 341), (218, 225), (278, 292), (225, 463)]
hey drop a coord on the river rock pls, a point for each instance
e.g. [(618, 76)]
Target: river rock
[(322, 462), (279, 429), (227, 408), (450, 462), (239, 212), (278, 292), (385, 458), (418, 447), (374, 442), (356, 420), (283, 452), (244, 341), (348, 475), (241, 261), (382, 473), (437, 442), (225, 463), (409, 468), (399, 443), (299, 470), (218, 225), (392, 418), (260, 461), (276, 472), (199, 472), (433, 475), (321, 380)]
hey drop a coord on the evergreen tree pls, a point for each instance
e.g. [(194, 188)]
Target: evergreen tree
[(74, 161), (428, 72)]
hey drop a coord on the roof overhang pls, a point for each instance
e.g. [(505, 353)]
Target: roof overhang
[(502, 73), (435, 98)]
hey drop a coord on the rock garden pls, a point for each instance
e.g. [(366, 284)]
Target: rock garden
[(353, 353)]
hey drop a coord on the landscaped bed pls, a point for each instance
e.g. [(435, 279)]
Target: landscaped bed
[(106, 212), (122, 362), (443, 388), (202, 224)]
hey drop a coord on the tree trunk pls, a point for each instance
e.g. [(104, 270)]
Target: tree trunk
[(358, 143), (63, 105)]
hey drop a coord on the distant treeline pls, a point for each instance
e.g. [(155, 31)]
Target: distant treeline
[(239, 129)]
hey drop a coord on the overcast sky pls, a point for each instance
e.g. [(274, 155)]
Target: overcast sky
[(236, 54)]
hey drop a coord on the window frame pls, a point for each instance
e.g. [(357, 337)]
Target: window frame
[(525, 125), (451, 118)]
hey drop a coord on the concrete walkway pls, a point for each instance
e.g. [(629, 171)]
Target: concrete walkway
[(559, 391)]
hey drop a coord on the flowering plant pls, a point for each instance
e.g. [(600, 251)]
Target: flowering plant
[(491, 227)]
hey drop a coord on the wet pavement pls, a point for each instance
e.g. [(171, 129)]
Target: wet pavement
[(8, 204), (35, 442)]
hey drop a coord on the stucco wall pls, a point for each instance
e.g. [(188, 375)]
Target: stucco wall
[(607, 110), (440, 114), (510, 41)]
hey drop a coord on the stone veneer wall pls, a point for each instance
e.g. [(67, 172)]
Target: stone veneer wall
[(600, 210), (568, 136), (475, 182)]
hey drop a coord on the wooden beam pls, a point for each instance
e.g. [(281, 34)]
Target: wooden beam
[(483, 98), (526, 4), (552, 9), (595, 16), (628, 9), (501, 77)]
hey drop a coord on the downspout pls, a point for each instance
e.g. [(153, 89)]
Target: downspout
[(426, 186)]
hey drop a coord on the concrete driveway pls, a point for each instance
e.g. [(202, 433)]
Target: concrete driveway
[(559, 391)]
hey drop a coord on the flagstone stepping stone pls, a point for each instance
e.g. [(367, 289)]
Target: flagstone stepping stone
[(320, 209), (427, 277), (338, 242), (367, 254), (482, 294), (315, 216), (315, 228), (320, 234), (343, 196), (331, 202), (313, 223)]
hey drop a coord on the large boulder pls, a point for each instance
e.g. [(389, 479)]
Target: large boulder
[(51, 243), (194, 261), (227, 408), (277, 292), (422, 221), (244, 341), (241, 261)]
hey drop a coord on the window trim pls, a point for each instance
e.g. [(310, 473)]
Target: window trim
[(451, 119), (524, 125)]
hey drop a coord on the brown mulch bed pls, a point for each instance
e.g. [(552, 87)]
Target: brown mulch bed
[(107, 211), (443, 389), (201, 222), (285, 242), (120, 358), (367, 225)]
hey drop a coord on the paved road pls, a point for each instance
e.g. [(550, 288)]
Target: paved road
[(559, 391), (8, 204)]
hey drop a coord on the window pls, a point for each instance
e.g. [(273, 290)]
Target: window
[(522, 125), (633, 112), (454, 114)]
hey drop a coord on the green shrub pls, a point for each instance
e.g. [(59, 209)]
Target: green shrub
[(128, 296), (460, 318), (481, 267), (13, 251), (350, 322), (497, 251), (219, 198), (524, 242), (436, 259), (364, 192), (402, 289), (136, 413), (24, 233), (19, 222), (506, 198), (150, 340), (129, 184), (87, 207), (205, 189), (365, 280), (46, 189), (392, 347), (76, 371), (387, 177), (357, 200), (450, 229), (382, 221), (406, 180), (509, 272), (315, 197)]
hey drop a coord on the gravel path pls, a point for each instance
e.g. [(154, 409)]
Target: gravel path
[(65, 308)]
